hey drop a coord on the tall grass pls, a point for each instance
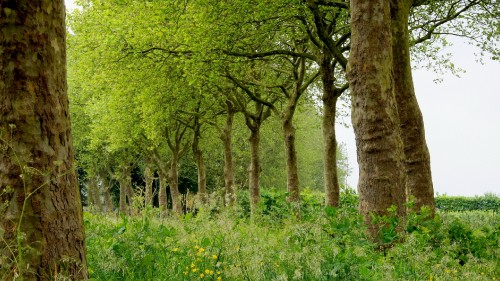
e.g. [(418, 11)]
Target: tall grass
[(330, 245)]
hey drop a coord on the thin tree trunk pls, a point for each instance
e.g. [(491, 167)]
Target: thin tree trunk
[(200, 164), (93, 192), (417, 158), (148, 179), (374, 112), (291, 156), (106, 192), (254, 168), (330, 97), (130, 197), (124, 181), (174, 184), (162, 194), (226, 137), (40, 212)]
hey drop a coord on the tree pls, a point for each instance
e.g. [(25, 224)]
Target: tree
[(374, 111), (41, 216)]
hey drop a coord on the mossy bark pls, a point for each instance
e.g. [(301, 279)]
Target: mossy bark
[(374, 112), (39, 195)]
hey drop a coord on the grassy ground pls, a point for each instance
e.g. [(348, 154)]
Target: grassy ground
[(324, 245)]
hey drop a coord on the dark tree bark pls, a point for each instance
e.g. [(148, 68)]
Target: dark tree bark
[(198, 158), (39, 195), (106, 186), (417, 158), (125, 181), (374, 112), (93, 193)]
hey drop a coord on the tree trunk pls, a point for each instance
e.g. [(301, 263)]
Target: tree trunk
[(162, 194), (292, 174), (417, 158), (106, 192), (148, 178), (330, 97), (200, 164), (254, 168), (130, 197), (226, 137), (124, 181), (40, 214), (93, 193), (173, 179), (374, 113)]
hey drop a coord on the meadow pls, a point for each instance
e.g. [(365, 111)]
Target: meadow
[(324, 244)]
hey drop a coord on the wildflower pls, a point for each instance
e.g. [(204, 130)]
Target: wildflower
[(207, 271), (186, 272), (211, 272), (218, 272), (175, 250), (219, 278), (201, 250), (214, 257), (192, 265), (196, 247), (202, 275), (194, 269)]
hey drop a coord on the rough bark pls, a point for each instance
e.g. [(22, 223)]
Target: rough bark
[(39, 195), (417, 158), (148, 179), (374, 113), (226, 137), (330, 97)]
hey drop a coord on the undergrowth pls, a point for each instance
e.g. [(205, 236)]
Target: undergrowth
[(330, 245)]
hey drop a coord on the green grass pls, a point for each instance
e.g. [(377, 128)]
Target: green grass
[(331, 245)]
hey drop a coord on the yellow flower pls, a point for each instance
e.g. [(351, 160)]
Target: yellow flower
[(175, 249), (219, 278), (214, 257), (186, 272), (207, 271), (194, 269), (201, 250), (202, 275), (218, 272), (192, 265), (212, 272), (196, 247)]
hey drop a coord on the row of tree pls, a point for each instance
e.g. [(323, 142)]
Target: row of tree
[(146, 74)]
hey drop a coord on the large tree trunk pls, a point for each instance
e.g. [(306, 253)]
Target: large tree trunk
[(173, 179), (330, 97), (254, 168), (417, 158), (374, 113), (226, 137), (41, 210)]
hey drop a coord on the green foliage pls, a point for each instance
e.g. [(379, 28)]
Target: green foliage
[(456, 203)]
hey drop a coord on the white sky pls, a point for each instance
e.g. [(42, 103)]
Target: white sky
[(462, 122)]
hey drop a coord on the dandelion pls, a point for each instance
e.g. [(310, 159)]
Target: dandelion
[(214, 257), (194, 269), (202, 275), (207, 271), (175, 250), (196, 247), (201, 250), (211, 272), (219, 278), (192, 265)]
